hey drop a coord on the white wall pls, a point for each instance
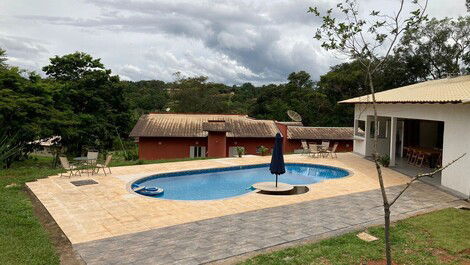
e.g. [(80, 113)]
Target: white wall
[(456, 118)]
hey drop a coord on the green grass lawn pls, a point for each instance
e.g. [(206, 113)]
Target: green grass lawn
[(22, 238), (441, 237)]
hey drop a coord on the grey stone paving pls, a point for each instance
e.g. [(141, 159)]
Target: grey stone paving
[(220, 238)]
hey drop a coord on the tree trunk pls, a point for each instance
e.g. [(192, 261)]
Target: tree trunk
[(386, 204), (388, 247)]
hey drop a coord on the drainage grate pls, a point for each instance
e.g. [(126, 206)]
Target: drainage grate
[(85, 182)]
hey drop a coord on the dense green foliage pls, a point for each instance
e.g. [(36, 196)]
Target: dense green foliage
[(86, 105), (93, 100), (440, 237)]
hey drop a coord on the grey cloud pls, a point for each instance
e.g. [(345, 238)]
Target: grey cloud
[(232, 41), (24, 52), (19, 46), (248, 33)]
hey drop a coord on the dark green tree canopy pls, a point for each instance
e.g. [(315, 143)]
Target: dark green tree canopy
[(73, 66), (3, 58), (94, 98)]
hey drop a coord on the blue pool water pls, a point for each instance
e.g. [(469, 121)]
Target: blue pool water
[(228, 182)]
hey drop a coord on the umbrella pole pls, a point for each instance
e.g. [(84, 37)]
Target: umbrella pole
[(276, 180)]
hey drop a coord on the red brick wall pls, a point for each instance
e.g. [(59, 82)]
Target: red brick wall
[(152, 148), (250, 144), (217, 144)]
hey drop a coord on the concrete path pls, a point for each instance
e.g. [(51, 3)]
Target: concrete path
[(232, 235)]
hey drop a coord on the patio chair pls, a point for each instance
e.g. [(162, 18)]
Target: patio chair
[(409, 152), (420, 159), (71, 169), (314, 152), (92, 158), (305, 148), (105, 165), (325, 145), (413, 157), (439, 160), (332, 152)]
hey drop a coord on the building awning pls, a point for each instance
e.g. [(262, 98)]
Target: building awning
[(320, 133), (447, 90)]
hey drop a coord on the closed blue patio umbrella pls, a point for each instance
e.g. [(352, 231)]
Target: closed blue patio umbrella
[(277, 166)]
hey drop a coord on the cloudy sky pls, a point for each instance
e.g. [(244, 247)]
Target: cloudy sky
[(231, 41)]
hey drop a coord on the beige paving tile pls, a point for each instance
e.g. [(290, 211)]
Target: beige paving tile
[(108, 209)]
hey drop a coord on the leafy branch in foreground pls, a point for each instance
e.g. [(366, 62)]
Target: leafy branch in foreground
[(8, 148)]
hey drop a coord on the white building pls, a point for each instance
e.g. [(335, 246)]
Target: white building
[(432, 116)]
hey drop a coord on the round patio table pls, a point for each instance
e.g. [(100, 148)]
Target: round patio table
[(271, 187), (82, 160)]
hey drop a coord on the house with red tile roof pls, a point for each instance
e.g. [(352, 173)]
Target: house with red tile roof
[(178, 135)]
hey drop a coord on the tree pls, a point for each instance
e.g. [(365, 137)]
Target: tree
[(300, 79), (145, 96), (196, 95), (297, 94), (73, 66), (27, 111), (94, 100), (3, 58), (442, 46), (371, 41)]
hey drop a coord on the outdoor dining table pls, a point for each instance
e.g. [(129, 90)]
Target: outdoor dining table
[(321, 149), (431, 153), (83, 161)]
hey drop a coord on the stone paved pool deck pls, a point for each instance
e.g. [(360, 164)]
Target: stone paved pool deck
[(107, 224)]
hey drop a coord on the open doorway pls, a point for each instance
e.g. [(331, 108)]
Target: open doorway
[(419, 146)]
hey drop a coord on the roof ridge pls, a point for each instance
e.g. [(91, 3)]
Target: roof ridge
[(197, 113), (326, 127)]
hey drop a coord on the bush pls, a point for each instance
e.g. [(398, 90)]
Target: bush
[(384, 160), (240, 151), (131, 154), (127, 155), (262, 150)]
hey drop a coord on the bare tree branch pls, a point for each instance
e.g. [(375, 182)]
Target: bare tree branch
[(429, 174)]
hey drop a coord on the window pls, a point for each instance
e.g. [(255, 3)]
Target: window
[(372, 129), (383, 128), (360, 128), (197, 151)]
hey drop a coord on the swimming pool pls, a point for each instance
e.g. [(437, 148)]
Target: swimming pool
[(218, 183)]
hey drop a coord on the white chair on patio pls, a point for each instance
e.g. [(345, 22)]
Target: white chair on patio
[(71, 169), (325, 145)]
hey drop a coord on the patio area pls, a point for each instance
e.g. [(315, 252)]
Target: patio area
[(106, 214)]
